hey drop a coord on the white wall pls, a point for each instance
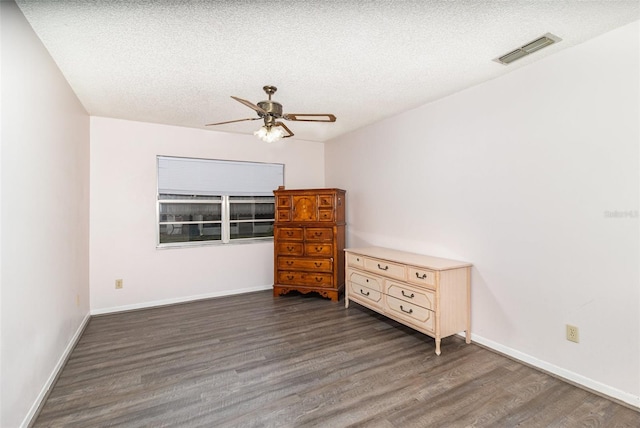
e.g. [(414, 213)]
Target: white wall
[(123, 214), (517, 175), (44, 221)]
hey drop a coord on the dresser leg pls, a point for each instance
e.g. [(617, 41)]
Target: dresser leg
[(438, 340), (346, 302), (468, 331)]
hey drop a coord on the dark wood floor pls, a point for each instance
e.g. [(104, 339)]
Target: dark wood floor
[(300, 361)]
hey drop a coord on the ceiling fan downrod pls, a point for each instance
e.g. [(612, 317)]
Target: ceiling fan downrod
[(270, 90)]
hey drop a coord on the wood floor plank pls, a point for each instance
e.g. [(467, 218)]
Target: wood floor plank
[(300, 361)]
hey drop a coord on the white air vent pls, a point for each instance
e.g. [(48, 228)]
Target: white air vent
[(531, 47)]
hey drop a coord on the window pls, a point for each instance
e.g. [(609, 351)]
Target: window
[(203, 201)]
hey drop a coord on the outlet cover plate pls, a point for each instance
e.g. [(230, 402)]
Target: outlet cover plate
[(572, 334)]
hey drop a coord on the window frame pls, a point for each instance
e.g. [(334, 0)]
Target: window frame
[(225, 202)]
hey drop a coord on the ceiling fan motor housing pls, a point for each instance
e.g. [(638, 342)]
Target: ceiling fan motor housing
[(273, 108)]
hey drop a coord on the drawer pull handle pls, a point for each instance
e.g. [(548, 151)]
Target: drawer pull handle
[(318, 264), (318, 234), (290, 277), (424, 276), (290, 249), (318, 279), (318, 249), (363, 293), (289, 263), (410, 311), (289, 233), (410, 296), (383, 268)]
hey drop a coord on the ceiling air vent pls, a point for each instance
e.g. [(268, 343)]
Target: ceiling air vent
[(531, 47)]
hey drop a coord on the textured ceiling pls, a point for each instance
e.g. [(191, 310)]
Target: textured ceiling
[(177, 62)]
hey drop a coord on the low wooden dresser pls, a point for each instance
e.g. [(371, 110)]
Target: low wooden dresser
[(429, 294), (308, 241)]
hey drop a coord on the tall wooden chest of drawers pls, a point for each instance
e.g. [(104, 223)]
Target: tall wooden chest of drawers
[(429, 294), (308, 241)]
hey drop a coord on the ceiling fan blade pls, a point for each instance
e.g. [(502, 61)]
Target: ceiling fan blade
[(306, 117), (285, 128), (249, 104), (231, 121)]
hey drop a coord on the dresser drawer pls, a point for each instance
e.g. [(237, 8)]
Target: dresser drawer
[(290, 233), (365, 280), (318, 234), (316, 279), (290, 263), (383, 267), (409, 294), (361, 293), (355, 260), (319, 249), (414, 314), (290, 248), (421, 276)]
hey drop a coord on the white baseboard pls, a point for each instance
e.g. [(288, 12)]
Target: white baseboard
[(560, 372), (165, 302), (28, 419)]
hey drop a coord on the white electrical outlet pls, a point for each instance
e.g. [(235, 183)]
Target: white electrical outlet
[(572, 333), (118, 284)]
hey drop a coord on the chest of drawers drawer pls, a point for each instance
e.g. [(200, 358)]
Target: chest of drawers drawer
[(316, 279), (284, 215), (290, 233), (325, 215), (320, 265), (290, 248), (325, 201), (318, 234), (318, 249)]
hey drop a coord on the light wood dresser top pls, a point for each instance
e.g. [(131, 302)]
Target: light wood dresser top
[(419, 260)]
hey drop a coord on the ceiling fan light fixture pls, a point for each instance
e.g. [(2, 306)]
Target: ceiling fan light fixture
[(269, 134)]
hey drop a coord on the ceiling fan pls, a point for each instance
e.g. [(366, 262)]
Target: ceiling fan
[(271, 111)]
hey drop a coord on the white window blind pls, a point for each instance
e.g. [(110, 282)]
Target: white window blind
[(189, 176)]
